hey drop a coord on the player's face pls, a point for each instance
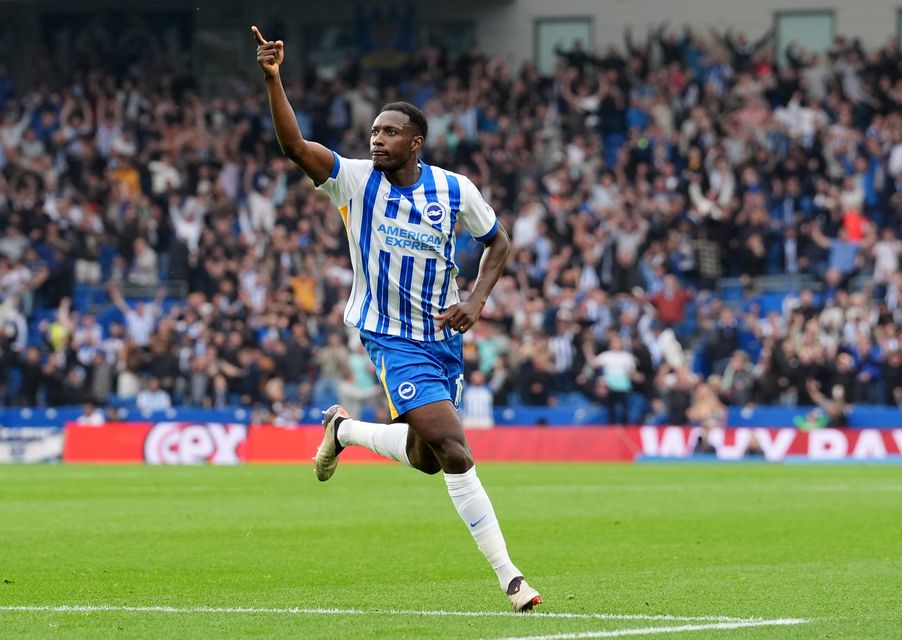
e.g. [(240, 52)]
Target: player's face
[(393, 141)]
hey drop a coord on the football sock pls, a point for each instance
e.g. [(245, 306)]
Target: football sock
[(388, 440), (475, 509)]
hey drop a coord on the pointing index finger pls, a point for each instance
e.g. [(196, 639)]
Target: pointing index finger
[(258, 36)]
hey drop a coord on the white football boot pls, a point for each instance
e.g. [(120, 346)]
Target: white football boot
[(326, 459), (522, 596)]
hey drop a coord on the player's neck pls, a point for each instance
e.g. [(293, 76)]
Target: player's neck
[(405, 176)]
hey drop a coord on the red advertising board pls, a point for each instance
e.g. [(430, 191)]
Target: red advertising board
[(775, 445), (155, 442), (221, 443), (196, 443)]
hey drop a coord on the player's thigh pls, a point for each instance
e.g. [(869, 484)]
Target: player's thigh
[(436, 422)]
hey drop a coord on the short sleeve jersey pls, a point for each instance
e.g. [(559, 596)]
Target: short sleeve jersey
[(402, 244)]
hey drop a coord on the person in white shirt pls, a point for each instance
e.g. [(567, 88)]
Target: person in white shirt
[(886, 256), (140, 321), (618, 368), (153, 398), (92, 416), (145, 269), (188, 219), (477, 404)]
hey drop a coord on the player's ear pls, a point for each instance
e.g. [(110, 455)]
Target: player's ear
[(416, 143)]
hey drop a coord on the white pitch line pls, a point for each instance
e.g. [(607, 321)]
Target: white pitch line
[(647, 631), (90, 608)]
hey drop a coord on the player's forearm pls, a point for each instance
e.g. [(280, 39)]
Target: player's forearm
[(494, 258), (288, 132)]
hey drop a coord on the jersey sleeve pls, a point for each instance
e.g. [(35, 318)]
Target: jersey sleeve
[(346, 177), (476, 215)]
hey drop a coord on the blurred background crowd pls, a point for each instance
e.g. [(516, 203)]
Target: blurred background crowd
[(693, 227)]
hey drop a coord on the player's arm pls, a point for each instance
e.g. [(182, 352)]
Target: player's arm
[(463, 316), (315, 159)]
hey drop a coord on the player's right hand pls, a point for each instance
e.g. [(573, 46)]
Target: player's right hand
[(269, 54)]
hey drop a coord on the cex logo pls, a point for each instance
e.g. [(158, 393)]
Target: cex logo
[(187, 443)]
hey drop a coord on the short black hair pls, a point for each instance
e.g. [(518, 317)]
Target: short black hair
[(417, 117)]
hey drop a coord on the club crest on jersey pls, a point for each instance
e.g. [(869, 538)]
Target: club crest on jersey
[(435, 212), (407, 390)]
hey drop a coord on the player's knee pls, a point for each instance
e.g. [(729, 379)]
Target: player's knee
[(426, 464), (453, 455), (430, 469)]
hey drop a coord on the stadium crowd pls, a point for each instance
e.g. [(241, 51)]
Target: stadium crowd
[(631, 181)]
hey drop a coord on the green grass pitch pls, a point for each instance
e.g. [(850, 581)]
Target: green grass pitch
[(378, 552)]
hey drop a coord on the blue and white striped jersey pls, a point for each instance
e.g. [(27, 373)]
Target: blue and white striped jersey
[(402, 244)]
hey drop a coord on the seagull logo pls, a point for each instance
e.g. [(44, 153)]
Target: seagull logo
[(435, 212), (407, 390)]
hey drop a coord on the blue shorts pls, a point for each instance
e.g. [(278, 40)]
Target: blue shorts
[(414, 373)]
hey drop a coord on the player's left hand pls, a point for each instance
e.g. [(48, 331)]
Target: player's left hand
[(460, 317)]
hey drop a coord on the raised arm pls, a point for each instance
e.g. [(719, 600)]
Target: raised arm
[(315, 159), (117, 299)]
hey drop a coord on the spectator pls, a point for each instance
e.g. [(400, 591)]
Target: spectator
[(675, 386), (153, 398), (141, 320), (670, 302), (737, 381), (145, 267), (723, 341), (91, 416), (886, 254), (892, 374), (332, 360), (706, 412), (361, 388), (832, 411), (477, 403), (618, 369)]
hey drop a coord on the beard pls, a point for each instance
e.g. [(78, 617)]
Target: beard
[(387, 163)]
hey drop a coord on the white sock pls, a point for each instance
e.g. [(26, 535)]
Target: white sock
[(388, 440), (475, 509)]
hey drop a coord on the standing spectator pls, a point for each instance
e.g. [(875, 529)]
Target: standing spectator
[(32, 377), (675, 385), (145, 269), (332, 360), (886, 252), (738, 380), (140, 321), (723, 341), (153, 398), (618, 367), (671, 301), (477, 403), (128, 365), (563, 351)]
